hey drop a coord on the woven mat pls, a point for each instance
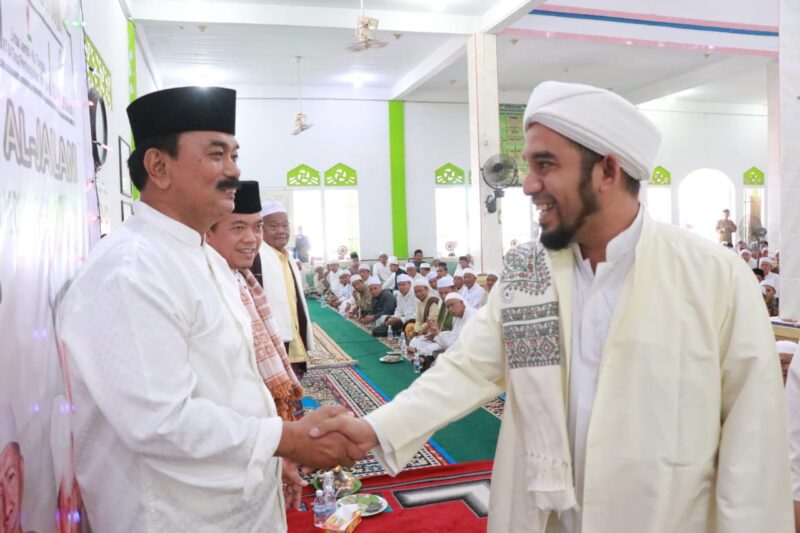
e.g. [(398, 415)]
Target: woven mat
[(345, 386), (326, 353)]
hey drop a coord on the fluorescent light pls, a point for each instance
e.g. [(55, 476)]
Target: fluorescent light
[(204, 75), (358, 82)]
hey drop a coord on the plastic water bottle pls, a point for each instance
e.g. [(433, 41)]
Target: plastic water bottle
[(321, 510), (328, 492), (403, 345), (390, 334), (416, 363)]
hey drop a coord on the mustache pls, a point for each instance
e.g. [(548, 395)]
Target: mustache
[(224, 185)]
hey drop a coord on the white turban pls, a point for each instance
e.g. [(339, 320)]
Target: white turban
[(446, 281), (786, 347), (333, 261), (424, 265), (467, 271), (410, 265), (453, 296), (373, 280), (459, 273), (363, 266), (431, 275), (393, 260), (343, 273), (382, 254), (403, 278), (600, 120), (492, 273), (769, 260), (768, 283), (745, 251), (421, 282), (269, 207)]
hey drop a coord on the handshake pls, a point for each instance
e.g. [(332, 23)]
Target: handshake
[(325, 438)]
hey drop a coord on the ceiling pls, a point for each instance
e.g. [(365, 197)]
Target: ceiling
[(263, 55)]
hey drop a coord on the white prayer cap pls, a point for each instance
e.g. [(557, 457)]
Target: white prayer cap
[(786, 347), (344, 272), (446, 281), (403, 278), (382, 254), (492, 273), (431, 275), (393, 260), (745, 251), (459, 273), (600, 120), (421, 282), (424, 265), (768, 283), (269, 207), (363, 266), (8, 425), (333, 261), (453, 296), (374, 280), (769, 260), (410, 265), (467, 271)]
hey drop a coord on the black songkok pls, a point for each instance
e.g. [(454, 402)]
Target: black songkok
[(248, 198)]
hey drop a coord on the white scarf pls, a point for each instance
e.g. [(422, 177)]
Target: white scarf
[(531, 333)]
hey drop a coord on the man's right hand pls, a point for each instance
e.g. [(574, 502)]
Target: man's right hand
[(357, 430), (326, 452)]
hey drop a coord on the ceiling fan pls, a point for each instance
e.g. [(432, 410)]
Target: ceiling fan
[(300, 122), (365, 26)]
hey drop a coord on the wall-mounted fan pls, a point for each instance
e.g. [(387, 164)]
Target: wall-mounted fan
[(450, 246), (342, 251), (499, 172), (365, 28), (301, 123)]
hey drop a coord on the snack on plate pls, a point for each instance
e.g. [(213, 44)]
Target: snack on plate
[(345, 519)]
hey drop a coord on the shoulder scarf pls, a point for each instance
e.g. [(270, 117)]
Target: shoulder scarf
[(531, 334), (271, 359)]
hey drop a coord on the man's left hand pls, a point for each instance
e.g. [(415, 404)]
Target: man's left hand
[(293, 484)]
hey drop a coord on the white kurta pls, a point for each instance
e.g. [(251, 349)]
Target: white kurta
[(174, 429), (381, 271), (687, 432), (406, 305), (334, 283), (278, 298), (390, 284), (446, 339), (473, 295)]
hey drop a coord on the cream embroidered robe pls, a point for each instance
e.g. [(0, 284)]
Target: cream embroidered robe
[(688, 431)]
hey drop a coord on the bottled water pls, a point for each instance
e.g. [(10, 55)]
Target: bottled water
[(416, 363), (403, 345), (328, 493), (390, 334), (321, 509)]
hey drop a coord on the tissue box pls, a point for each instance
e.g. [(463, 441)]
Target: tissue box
[(345, 519)]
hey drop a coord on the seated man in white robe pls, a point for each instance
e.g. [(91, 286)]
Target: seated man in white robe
[(320, 281), (334, 285), (491, 279), (411, 270), (381, 269), (472, 293), (458, 281), (767, 264), (363, 272), (173, 427), (425, 269), (391, 282), (441, 270), (345, 293), (433, 280), (406, 309), (747, 257)]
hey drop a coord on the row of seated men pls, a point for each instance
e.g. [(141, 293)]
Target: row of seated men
[(430, 307)]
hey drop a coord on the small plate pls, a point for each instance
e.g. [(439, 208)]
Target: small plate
[(368, 504), (317, 484), (391, 359), (393, 353)]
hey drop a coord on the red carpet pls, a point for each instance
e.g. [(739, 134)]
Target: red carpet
[(436, 499)]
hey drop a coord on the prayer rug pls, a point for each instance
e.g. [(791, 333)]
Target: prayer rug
[(434, 500), (345, 386), (326, 353)]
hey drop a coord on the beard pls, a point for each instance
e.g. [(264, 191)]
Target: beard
[(561, 236)]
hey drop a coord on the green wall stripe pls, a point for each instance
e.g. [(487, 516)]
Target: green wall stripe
[(397, 158), (132, 81)]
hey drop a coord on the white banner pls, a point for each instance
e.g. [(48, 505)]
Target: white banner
[(46, 177)]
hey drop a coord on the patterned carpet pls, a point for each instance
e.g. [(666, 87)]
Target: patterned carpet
[(345, 386), (326, 353)]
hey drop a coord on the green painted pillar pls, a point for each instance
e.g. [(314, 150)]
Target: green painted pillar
[(397, 161), (132, 81)]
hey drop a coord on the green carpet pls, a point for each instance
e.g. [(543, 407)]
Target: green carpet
[(473, 438)]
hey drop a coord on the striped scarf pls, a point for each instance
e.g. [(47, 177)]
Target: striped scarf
[(271, 359)]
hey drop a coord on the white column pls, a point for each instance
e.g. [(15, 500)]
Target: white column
[(773, 181), (789, 57), (484, 134)]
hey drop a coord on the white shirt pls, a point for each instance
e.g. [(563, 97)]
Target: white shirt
[(345, 291), (595, 296), (334, 283), (381, 271), (406, 305), (473, 296), (776, 281), (390, 284), (446, 339), (174, 429)]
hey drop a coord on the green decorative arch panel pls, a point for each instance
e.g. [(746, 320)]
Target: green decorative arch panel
[(303, 176), (661, 176), (341, 176), (449, 174), (754, 176)]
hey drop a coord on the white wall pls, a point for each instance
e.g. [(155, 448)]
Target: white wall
[(355, 133), (435, 134)]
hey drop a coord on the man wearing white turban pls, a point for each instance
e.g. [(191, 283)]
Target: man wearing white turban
[(641, 394)]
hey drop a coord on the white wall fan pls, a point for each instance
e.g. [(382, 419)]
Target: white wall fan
[(365, 28), (301, 123)]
